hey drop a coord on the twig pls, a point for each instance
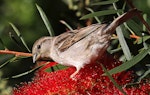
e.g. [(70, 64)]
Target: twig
[(139, 15), (15, 53)]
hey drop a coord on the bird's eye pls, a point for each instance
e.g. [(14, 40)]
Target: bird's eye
[(38, 46)]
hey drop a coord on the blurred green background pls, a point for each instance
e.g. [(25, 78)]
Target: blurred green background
[(25, 16)]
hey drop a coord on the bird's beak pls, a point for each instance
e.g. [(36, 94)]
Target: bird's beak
[(35, 57)]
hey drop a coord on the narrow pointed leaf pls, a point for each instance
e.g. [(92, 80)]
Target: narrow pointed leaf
[(3, 43), (23, 74), (113, 81), (130, 63), (123, 43), (15, 40), (45, 19), (143, 39), (145, 18), (67, 25), (55, 68), (115, 50), (135, 27), (20, 36), (105, 2), (144, 75), (100, 13), (8, 61), (96, 18)]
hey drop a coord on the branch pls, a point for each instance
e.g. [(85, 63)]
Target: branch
[(15, 53)]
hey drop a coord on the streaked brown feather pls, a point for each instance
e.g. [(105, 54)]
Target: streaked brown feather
[(69, 38)]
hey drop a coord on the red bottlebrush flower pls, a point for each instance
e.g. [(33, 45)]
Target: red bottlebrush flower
[(88, 81)]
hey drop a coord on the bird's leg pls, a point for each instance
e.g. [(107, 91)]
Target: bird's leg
[(77, 70)]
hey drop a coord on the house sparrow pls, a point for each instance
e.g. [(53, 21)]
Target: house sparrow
[(79, 47)]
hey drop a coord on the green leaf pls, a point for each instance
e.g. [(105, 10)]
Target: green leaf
[(45, 19), (55, 68), (146, 73), (105, 2), (15, 40), (96, 18), (135, 27), (123, 43), (23, 74), (20, 36), (67, 25), (130, 63), (8, 61), (114, 82), (125, 24), (100, 13), (145, 18), (3, 44), (143, 39), (115, 50)]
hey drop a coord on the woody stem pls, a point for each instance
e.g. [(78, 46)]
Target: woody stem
[(15, 53)]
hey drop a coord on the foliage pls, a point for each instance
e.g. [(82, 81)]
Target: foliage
[(28, 27), (88, 81)]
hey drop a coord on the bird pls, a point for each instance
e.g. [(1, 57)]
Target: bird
[(80, 46)]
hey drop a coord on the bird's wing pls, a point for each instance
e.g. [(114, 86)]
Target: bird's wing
[(67, 39)]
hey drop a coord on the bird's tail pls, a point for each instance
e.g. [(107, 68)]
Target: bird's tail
[(121, 19)]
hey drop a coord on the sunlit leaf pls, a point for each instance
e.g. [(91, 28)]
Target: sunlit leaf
[(135, 27), (15, 40), (144, 38), (55, 68), (115, 50), (66, 24), (45, 19), (105, 2), (2, 43), (130, 63), (19, 35), (145, 18), (144, 75), (100, 13), (96, 18), (123, 43), (25, 73), (113, 81), (8, 61)]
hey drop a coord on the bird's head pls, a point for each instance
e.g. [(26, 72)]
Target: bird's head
[(41, 49)]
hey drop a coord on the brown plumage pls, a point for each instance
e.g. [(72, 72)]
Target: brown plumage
[(81, 46)]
